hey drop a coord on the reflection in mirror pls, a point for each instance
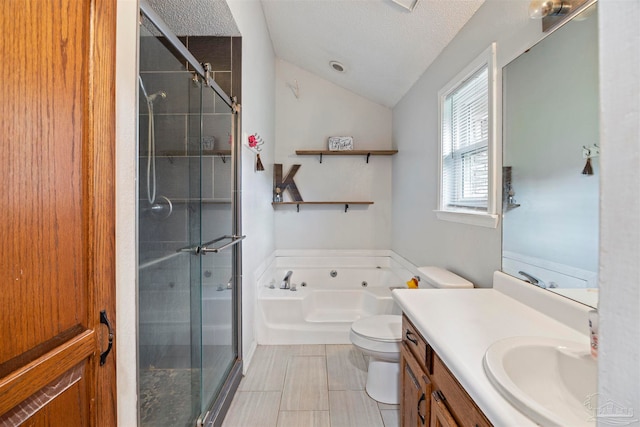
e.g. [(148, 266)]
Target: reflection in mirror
[(550, 159)]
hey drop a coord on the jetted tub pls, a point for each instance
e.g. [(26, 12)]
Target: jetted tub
[(323, 307)]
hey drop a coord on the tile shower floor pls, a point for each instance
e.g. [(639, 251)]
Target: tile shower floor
[(308, 386)]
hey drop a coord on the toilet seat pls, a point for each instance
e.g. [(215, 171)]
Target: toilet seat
[(380, 338), (379, 335), (383, 328)]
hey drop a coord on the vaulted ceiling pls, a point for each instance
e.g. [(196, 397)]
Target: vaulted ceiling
[(384, 47)]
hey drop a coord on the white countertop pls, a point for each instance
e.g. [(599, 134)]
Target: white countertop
[(461, 324)]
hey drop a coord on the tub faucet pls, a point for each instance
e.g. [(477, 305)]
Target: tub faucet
[(533, 280), (286, 282)]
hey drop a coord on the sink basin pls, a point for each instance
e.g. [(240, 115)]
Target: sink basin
[(551, 381)]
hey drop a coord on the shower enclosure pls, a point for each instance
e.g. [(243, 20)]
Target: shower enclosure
[(188, 236)]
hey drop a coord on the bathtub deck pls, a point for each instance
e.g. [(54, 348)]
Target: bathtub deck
[(307, 385)]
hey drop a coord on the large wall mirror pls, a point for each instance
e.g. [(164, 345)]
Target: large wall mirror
[(551, 163)]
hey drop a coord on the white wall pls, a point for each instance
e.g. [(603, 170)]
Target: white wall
[(471, 251), (258, 116), (126, 250), (618, 366), (324, 109)]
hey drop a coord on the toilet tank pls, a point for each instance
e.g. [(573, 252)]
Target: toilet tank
[(436, 277)]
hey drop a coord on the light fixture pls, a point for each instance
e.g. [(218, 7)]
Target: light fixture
[(554, 12), (337, 66), (540, 8), (407, 4)]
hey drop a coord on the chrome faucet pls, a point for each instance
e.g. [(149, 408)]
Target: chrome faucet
[(533, 280), (286, 282)]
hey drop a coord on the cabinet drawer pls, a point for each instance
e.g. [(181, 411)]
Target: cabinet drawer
[(456, 398), (417, 345)]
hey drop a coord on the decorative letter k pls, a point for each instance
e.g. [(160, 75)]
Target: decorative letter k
[(287, 183)]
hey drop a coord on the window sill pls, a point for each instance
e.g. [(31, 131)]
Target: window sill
[(471, 218)]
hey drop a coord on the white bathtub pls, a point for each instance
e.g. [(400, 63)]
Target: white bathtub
[(323, 307)]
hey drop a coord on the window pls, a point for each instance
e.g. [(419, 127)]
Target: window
[(467, 151)]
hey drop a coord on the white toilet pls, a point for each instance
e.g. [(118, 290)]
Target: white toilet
[(380, 338)]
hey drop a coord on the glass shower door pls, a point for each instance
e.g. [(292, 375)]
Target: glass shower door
[(169, 227), (188, 252), (218, 282)]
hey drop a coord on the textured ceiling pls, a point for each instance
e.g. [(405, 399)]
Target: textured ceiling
[(384, 47), (196, 17)]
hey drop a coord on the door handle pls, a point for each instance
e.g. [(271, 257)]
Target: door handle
[(422, 417), (234, 241), (105, 321)]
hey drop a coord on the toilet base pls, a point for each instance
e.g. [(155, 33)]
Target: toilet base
[(383, 381)]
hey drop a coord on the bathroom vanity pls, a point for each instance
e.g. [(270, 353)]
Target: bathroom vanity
[(446, 334), (431, 396)]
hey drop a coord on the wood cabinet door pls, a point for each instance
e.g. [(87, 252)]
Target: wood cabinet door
[(440, 415), (416, 387), (57, 124), (410, 393)]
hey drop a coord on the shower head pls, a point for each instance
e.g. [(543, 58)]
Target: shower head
[(162, 94), (150, 98)]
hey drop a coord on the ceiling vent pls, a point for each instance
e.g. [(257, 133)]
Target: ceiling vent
[(337, 66)]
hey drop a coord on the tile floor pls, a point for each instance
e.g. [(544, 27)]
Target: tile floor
[(308, 386)]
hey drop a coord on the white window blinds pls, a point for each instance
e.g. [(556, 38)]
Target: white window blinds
[(465, 136)]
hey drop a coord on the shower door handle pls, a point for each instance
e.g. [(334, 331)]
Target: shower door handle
[(234, 240)]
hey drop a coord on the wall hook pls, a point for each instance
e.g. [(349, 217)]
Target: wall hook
[(590, 152), (295, 89)]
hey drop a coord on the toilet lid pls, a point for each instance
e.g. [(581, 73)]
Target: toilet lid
[(385, 327)]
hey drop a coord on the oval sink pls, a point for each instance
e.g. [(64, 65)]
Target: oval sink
[(552, 381)]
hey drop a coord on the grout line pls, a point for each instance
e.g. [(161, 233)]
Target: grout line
[(286, 376), (284, 382), (326, 369)]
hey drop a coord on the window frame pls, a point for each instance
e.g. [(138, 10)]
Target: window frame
[(469, 215)]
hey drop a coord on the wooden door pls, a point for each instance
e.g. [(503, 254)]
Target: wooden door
[(57, 237)]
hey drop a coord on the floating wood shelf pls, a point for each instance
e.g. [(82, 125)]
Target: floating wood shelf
[(346, 204), (367, 153)]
